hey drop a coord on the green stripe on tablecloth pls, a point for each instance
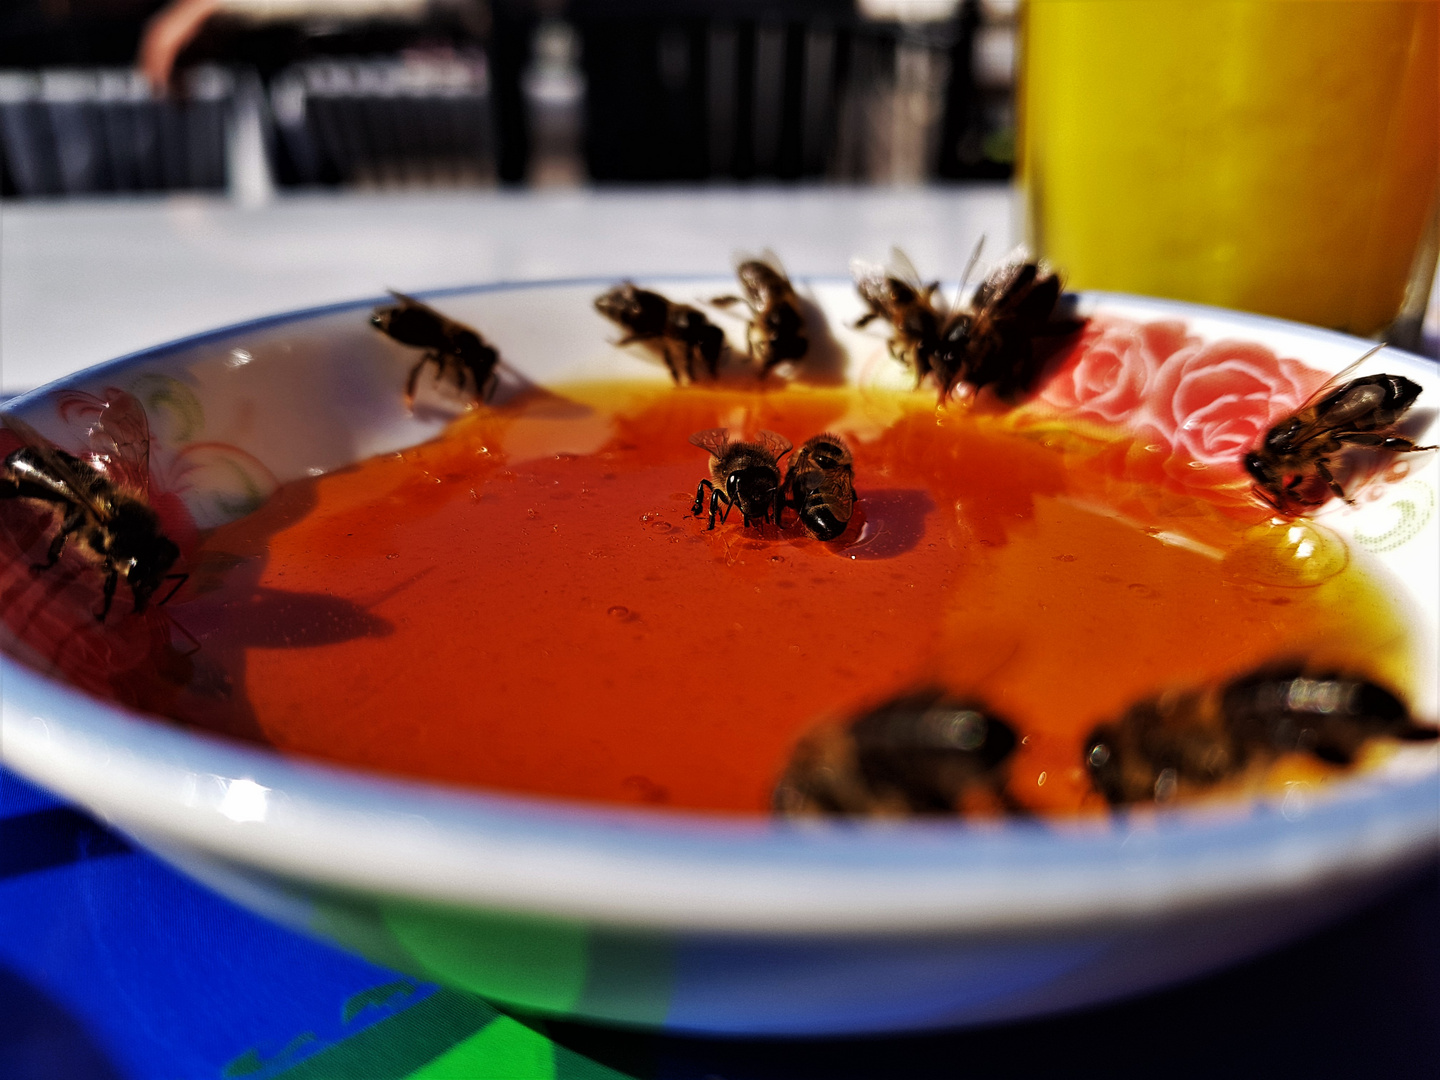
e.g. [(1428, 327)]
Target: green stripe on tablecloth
[(395, 1047), (508, 1050)]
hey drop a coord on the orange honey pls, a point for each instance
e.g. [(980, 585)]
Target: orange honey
[(527, 604)]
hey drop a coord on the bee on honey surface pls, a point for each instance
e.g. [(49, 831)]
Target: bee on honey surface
[(991, 342), (1176, 744), (988, 342), (776, 331), (918, 753), (1285, 709), (820, 485), (1292, 465), (1182, 743), (746, 474), (103, 503), (680, 333), (456, 350)]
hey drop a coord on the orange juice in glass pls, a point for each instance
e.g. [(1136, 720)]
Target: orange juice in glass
[(1278, 156)]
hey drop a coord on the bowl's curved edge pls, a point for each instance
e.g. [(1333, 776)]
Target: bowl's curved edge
[(693, 871)]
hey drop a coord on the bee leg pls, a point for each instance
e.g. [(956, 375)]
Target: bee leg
[(865, 320), (667, 350), (489, 385), (759, 348), (717, 499), (727, 301), (716, 495), (74, 517), (1325, 474), (112, 578), (1269, 499), (452, 367), (179, 580), (699, 504), (1396, 444), (414, 377)]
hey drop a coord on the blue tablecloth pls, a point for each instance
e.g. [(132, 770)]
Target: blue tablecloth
[(113, 966)]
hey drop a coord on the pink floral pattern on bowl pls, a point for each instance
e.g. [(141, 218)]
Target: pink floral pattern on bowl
[(1194, 408)]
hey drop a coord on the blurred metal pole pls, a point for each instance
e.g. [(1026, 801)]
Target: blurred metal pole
[(247, 160)]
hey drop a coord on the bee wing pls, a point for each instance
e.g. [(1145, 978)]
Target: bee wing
[(1341, 377), (410, 301), (869, 277), (116, 433), (838, 491), (770, 259), (902, 269), (1006, 284), (775, 443), (715, 440), (448, 325), (78, 488), (1337, 417)]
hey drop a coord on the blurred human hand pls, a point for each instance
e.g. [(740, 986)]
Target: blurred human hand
[(166, 34)]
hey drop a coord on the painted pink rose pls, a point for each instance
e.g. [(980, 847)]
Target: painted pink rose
[(1212, 404), (1112, 369)]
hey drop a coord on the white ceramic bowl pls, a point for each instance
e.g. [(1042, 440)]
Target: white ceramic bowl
[(683, 920)]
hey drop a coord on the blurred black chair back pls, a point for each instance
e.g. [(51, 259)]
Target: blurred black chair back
[(84, 131), (805, 89)]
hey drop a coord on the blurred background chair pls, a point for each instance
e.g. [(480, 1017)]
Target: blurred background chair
[(545, 92)]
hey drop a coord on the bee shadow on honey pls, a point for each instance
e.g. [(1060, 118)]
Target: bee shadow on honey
[(185, 659), (887, 523)]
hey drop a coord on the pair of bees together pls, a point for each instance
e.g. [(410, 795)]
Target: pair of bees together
[(819, 484), (924, 752), (686, 340)]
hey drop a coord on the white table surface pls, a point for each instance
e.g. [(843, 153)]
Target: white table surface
[(86, 281)]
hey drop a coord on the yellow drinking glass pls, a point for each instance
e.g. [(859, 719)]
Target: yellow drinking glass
[(1280, 156)]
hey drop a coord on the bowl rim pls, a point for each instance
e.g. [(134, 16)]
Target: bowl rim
[(305, 821)]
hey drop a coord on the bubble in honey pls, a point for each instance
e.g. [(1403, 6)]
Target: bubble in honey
[(1296, 554)]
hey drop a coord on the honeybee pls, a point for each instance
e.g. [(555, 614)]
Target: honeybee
[(680, 333), (455, 349), (776, 331), (917, 753), (1174, 744), (103, 501), (894, 293), (820, 485), (748, 472), (992, 341), (1291, 467), (1185, 742), (988, 342), (1328, 714)]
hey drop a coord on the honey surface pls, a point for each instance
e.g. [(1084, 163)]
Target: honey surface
[(527, 604)]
